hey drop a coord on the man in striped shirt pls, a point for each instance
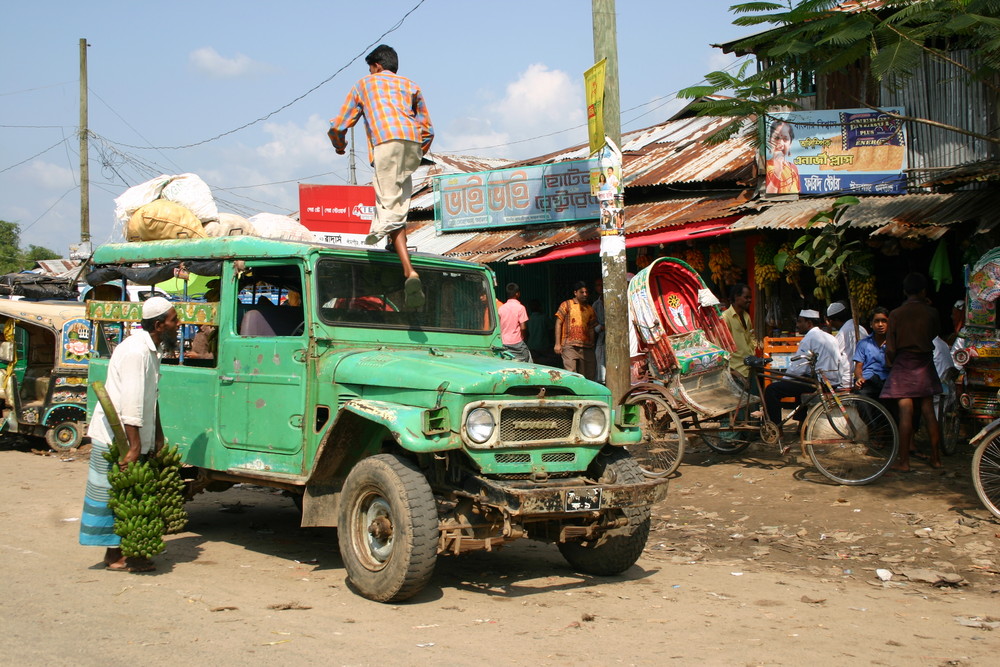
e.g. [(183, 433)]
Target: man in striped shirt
[(399, 133)]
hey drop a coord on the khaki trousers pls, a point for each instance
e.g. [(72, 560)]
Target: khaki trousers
[(395, 162)]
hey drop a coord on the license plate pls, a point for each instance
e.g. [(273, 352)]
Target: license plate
[(988, 351), (581, 500)]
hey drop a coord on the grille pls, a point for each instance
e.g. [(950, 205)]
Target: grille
[(559, 457), (515, 476), (513, 458), (530, 424)]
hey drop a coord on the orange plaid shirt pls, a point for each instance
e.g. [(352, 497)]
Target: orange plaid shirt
[(393, 108)]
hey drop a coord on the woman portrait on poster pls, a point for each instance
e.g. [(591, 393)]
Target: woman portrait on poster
[(781, 174)]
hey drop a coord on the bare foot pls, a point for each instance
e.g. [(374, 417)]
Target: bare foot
[(132, 565)]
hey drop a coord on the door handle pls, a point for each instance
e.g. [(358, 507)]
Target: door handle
[(226, 379)]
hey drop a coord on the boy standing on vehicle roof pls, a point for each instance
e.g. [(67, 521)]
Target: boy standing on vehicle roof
[(399, 133)]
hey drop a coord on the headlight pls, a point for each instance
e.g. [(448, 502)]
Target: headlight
[(479, 424), (593, 422)]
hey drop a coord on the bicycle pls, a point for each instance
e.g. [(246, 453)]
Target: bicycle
[(850, 439)]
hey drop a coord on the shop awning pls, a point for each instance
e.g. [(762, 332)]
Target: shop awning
[(694, 230)]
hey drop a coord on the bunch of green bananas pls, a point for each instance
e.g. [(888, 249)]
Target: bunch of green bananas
[(136, 507), (765, 273), (148, 501), (170, 489)]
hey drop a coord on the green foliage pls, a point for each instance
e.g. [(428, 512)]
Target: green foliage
[(890, 41), (826, 248), (12, 258)]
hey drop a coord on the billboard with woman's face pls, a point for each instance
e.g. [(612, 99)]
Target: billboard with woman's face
[(837, 151)]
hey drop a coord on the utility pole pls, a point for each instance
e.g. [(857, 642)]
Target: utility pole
[(352, 174), (84, 156), (616, 320)]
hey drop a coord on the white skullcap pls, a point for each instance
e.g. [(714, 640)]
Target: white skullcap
[(835, 307), (809, 314), (154, 307), (959, 305)]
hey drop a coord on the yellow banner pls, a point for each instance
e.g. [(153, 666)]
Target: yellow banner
[(594, 82)]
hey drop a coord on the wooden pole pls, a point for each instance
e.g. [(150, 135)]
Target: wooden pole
[(84, 156), (613, 262)]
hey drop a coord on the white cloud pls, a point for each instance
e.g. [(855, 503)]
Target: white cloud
[(50, 175), (539, 102), (209, 61), (293, 151)]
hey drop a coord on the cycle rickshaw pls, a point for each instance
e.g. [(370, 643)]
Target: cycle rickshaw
[(850, 439)]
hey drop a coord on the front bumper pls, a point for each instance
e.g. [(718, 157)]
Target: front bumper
[(562, 497)]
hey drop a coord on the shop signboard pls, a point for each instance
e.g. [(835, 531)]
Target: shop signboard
[(535, 194), (339, 214), (857, 151)]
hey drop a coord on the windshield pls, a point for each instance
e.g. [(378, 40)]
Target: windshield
[(370, 294)]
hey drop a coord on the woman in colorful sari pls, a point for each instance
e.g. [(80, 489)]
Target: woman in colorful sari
[(782, 176)]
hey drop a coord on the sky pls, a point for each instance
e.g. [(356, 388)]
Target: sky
[(242, 93)]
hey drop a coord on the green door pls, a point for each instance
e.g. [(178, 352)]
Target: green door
[(262, 373)]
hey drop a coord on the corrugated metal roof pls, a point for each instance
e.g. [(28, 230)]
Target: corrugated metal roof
[(673, 152), (59, 267), (509, 244), (902, 216), (436, 164)]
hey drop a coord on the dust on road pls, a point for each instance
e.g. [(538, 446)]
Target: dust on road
[(754, 560)]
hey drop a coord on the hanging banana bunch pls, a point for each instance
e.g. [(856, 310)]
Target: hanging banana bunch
[(765, 273)]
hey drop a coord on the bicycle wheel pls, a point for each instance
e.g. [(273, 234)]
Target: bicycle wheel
[(854, 446), (659, 454), (951, 427), (726, 442), (986, 471)]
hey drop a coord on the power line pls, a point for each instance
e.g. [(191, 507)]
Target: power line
[(31, 90), (38, 127), (291, 180), (669, 97), (24, 229), (33, 156), (330, 78), (122, 119)]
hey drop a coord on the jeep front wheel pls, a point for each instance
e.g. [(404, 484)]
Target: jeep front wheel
[(620, 550), (387, 529)]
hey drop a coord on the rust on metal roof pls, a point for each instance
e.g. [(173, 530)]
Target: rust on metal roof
[(671, 152), (509, 244), (902, 216)]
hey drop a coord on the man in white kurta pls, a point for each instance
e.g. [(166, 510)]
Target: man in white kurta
[(814, 340), (132, 385)]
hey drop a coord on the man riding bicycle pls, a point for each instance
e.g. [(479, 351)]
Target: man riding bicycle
[(827, 353)]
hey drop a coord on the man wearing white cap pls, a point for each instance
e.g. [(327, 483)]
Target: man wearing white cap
[(814, 340), (133, 376), (847, 339)]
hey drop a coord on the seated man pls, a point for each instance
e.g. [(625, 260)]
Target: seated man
[(814, 340)]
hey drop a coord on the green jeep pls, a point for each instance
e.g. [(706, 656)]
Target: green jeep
[(410, 430)]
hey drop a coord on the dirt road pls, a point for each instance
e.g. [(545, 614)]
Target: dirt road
[(753, 561)]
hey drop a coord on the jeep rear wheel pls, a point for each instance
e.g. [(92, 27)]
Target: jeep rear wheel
[(618, 552), (387, 529)]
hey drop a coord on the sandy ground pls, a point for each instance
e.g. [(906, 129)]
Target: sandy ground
[(753, 561)]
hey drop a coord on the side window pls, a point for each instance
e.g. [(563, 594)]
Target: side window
[(269, 302)]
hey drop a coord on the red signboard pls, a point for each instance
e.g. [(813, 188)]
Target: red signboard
[(336, 209)]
